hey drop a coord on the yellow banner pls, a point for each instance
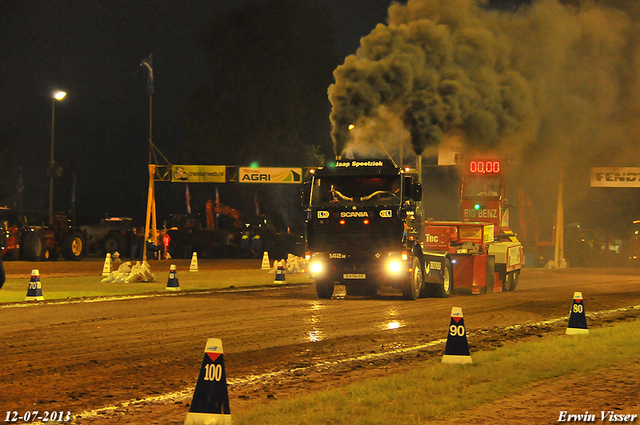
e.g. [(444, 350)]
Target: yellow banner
[(198, 173), (269, 175)]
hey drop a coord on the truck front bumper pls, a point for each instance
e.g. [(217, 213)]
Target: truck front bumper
[(393, 267)]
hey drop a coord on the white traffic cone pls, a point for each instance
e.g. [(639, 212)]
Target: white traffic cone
[(106, 269), (194, 263), (265, 261)]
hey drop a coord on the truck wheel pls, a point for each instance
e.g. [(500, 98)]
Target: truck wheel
[(324, 288), (507, 282), (33, 246), (115, 243), (512, 281), (516, 278), (411, 289), (74, 246), (444, 289)]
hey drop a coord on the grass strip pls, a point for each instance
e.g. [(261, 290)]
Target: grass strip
[(60, 288), (435, 390)]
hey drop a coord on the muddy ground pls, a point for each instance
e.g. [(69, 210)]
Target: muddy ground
[(135, 361)]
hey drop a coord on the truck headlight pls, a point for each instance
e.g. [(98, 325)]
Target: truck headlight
[(394, 266), (316, 267)]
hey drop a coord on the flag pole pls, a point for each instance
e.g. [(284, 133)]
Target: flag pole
[(150, 222), (559, 247)]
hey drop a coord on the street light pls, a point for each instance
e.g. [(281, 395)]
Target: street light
[(58, 95)]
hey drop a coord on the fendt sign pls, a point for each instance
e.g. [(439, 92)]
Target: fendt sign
[(615, 177)]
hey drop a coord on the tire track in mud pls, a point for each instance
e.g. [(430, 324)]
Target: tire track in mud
[(84, 355), (304, 375)]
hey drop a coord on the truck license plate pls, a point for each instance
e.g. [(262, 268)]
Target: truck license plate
[(354, 276)]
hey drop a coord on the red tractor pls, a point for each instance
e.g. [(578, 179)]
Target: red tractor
[(20, 241)]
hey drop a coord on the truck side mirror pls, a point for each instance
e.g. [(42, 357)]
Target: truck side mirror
[(306, 191), (417, 191), (412, 189)]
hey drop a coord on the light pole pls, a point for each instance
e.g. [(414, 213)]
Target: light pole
[(58, 95)]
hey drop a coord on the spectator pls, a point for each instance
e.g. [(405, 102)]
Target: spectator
[(245, 246), (133, 244), (153, 251), (256, 246)]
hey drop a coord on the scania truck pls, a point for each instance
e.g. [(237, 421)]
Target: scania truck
[(364, 230)]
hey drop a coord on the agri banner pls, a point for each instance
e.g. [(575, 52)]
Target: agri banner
[(615, 177), (269, 175), (198, 173)]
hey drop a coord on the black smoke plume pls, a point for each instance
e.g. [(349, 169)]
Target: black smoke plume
[(555, 84), (550, 76)]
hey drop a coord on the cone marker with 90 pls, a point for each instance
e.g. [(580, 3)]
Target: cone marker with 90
[(172, 282), (34, 292), (577, 318), (457, 349), (210, 403)]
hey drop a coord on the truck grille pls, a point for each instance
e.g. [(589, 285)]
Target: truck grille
[(355, 237)]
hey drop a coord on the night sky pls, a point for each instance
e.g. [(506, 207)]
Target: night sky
[(92, 50)]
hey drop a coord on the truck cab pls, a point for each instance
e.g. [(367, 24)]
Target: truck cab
[(363, 227)]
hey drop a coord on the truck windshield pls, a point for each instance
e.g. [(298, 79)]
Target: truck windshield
[(354, 190), (482, 186)]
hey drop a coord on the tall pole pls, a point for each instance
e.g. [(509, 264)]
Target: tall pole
[(559, 248), (58, 95), (150, 126), (418, 214), (150, 229), (52, 163)]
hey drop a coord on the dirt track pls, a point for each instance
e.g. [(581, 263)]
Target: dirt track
[(89, 355)]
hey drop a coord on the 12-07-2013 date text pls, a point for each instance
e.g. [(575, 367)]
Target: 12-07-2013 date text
[(36, 415)]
